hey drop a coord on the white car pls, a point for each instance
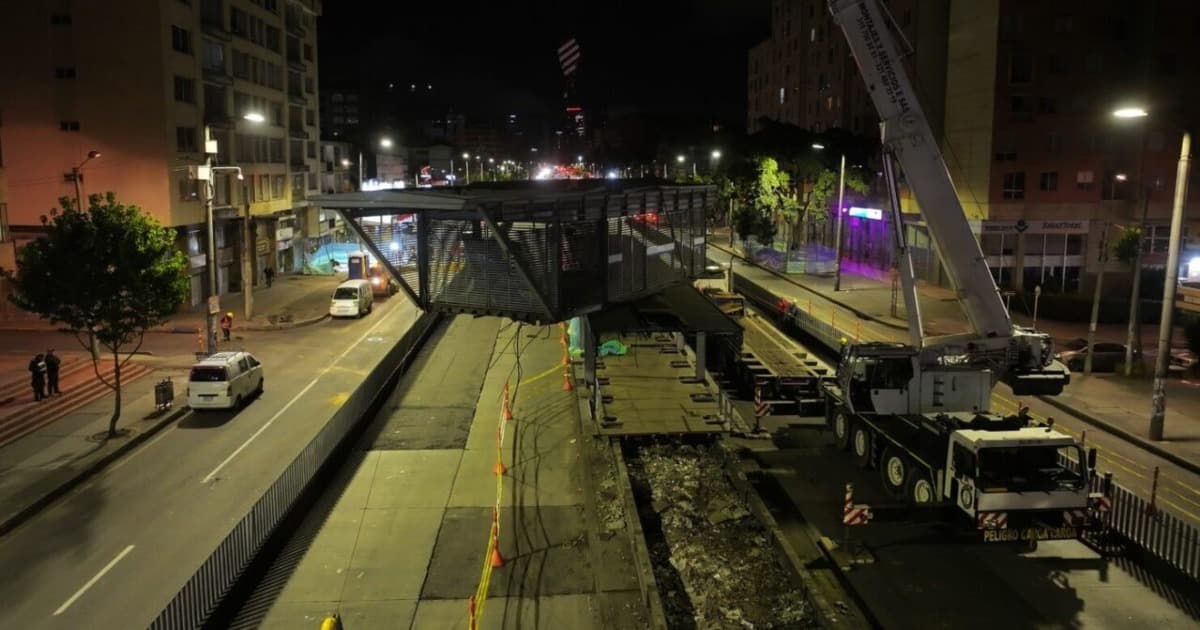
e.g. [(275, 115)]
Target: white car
[(224, 380)]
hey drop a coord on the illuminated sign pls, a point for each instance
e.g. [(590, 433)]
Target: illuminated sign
[(874, 214)]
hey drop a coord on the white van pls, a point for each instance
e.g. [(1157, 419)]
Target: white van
[(224, 381), (352, 298)]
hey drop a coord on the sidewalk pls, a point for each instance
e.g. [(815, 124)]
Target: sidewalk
[(1114, 403), (292, 300), (400, 539), (49, 461)]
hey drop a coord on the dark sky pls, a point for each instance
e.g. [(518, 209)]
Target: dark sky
[(656, 55)]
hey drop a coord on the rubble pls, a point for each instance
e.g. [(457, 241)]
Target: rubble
[(715, 566)]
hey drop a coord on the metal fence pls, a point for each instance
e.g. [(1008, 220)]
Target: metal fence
[(1160, 534), (198, 599)]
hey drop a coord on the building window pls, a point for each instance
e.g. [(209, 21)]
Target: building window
[(1047, 105), (277, 182), (1064, 24), (1014, 186), (1085, 180), (311, 152), (60, 19), (1094, 63), (1020, 68), (308, 52), (1055, 65), (185, 139), (68, 125), (64, 72), (272, 38), (1048, 182), (782, 95), (310, 117), (1021, 108), (185, 90), (310, 86), (214, 56), (189, 189), (271, 5), (1054, 142), (181, 40)]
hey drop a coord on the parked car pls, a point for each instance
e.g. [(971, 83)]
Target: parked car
[(224, 380), (352, 298), (1106, 357)]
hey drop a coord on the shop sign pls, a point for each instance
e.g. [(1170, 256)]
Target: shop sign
[(284, 234), (1048, 226), (198, 261), (874, 214)]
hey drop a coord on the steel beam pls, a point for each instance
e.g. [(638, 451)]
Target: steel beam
[(506, 246), (387, 264)]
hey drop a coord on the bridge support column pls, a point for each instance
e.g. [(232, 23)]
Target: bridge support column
[(588, 344), (700, 356)]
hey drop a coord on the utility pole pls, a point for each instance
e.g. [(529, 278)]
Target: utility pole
[(837, 245), (1091, 337), (1158, 400), (213, 304), (247, 264), (1133, 337)]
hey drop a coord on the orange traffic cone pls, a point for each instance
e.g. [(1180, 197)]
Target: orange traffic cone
[(499, 468), (568, 386), (497, 559)]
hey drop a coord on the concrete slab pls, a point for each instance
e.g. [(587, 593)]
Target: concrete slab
[(378, 615), (291, 615), (391, 554), (545, 551), (413, 478), (563, 611)]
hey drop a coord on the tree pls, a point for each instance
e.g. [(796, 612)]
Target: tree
[(1126, 247), (772, 200), (824, 194), (109, 273)]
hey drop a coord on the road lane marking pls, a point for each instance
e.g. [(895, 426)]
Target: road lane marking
[(209, 477), (92, 582)]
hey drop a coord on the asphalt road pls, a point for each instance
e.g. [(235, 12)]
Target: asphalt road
[(115, 550), (925, 578), (1132, 467)]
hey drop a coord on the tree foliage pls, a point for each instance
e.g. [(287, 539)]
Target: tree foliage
[(1125, 249), (108, 273)]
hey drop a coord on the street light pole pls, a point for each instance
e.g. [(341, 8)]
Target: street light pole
[(837, 245), (1158, 399), (1091, 336), (211, 262)]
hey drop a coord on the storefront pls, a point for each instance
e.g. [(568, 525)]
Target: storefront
[(1025, 253)]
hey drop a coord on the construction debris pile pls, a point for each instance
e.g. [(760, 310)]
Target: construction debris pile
[(712, 548)]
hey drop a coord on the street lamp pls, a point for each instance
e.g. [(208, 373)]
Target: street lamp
[(1133, 335), (386, 143), (467, 168), (77, 175), (837, 239), (716, 154)]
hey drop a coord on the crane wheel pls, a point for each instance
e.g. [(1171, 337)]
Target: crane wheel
[(894, 468), (841, 430), (861, 445), (920, 488)]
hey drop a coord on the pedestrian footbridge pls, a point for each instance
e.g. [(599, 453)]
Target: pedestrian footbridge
[(536, 252)]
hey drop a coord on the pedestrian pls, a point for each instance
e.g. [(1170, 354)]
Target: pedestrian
[(227, 324), (37, 374), (269, 273), (52, 363)]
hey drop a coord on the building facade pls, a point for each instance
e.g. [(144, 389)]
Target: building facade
[(146, 102), (1020, 95)]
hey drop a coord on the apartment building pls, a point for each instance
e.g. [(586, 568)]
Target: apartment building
[(1020, 94), (143, 83)]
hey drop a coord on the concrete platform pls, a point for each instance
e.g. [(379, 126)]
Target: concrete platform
[(652, 391), (399, 540)]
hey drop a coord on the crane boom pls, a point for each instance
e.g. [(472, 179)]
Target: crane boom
[(1022, 357), (907, 134)]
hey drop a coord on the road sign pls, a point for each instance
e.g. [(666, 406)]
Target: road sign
[(214, 304)]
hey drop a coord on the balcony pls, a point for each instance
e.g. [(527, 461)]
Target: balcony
[(212, 19), (216, 74), (297, 131)]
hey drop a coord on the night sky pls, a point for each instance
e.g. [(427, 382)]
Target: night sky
[(656, 56)]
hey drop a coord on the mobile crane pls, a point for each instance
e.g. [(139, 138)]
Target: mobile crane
[(921, 412)]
